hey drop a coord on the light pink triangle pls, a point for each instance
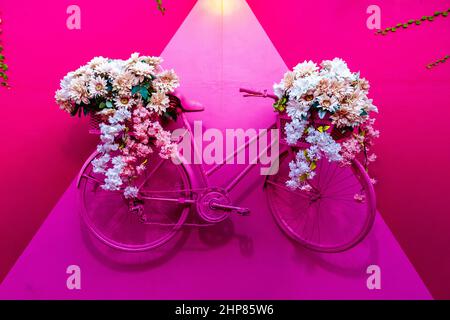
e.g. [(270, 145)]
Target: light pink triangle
[(214, 56)]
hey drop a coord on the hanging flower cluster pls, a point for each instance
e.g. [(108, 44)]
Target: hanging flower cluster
[(329, 116), (131, 97)]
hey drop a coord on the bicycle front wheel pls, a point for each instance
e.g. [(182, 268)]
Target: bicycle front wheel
[(121, 224), (335, 216)]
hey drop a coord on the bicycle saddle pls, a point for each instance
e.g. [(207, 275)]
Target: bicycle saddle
[(184, 104)]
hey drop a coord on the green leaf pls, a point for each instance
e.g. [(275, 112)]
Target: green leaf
[(144, 93), (102, 105), (109, 104), (135, 89), (363, 113), (280, 104), (160, 6)]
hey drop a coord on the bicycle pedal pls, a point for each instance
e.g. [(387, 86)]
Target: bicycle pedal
[(243, 211)]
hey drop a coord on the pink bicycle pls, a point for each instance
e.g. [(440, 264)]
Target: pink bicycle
[(325, 219)]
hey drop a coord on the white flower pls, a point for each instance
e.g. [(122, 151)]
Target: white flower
[(130, 192), (293, 183), (305, 68), (325, 143), (113, 180), (299, 167), (97, 87), (297, 109), (78, 91), (99, 164), (154, 61), (336, 68), (66, 81), (328, 103), (142, 69), (314, 153), (120, 116), (158, 102), (279, 89), (134, 58), (302, 85), (97, 61), (83, 71), (108, 136), (167, 81), (111, 68), (124, 82), (369, 106), (124, 102), (294, 130)]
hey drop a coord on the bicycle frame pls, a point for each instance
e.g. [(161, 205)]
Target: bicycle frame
[(213, 204), (206, 173)]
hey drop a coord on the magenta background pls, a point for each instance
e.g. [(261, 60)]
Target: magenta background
[(250, 256), (40, 50)]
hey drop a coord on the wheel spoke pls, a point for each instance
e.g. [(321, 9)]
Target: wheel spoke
[(330, 177), (346, 188), (154, 169), (343, 179), (91, 178), (318, 220), (335, 176), (288, 189)]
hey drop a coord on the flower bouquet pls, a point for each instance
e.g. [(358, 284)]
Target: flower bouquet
[(130, 99), (324, 112)]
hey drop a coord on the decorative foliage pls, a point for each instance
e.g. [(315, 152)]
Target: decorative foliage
[(160, 6), (435, 63), (329, 114), (3, 65), (132, 97), (405, 25)]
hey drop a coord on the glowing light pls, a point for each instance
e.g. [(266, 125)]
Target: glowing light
[(221, 7)]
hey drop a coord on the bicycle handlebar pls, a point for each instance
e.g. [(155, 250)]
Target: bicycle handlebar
[(252, 93)]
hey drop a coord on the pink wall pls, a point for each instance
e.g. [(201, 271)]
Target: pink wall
[(243, 257), (43, 148), (414, 103), (39, 161)]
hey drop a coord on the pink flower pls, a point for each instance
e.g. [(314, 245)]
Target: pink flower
[(359, 197)]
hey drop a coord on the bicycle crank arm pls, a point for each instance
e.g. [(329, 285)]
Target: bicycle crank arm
[(238, 210)]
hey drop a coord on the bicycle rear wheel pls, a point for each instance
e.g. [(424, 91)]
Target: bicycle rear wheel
[(333, 218), (111, 218)]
